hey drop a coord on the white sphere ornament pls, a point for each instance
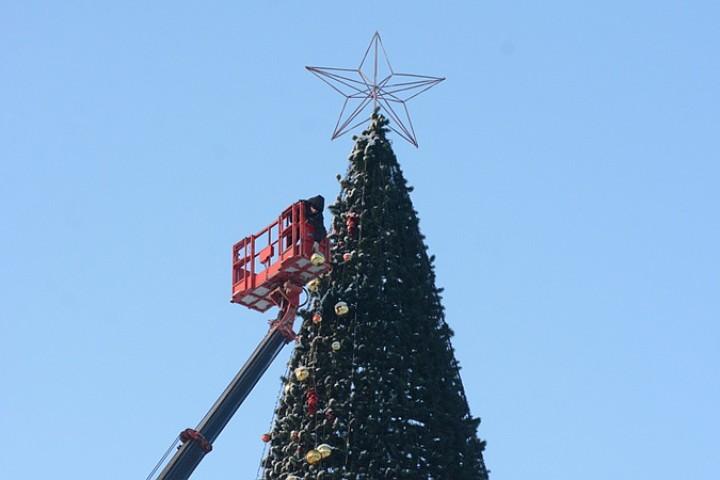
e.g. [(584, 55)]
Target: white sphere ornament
[(341, 308), (302, 373), (324, 449)]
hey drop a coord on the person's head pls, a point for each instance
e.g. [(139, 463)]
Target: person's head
[(316, 203)]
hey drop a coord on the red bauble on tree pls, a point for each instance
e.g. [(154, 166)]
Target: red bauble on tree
[(351, 221), (311, 402)]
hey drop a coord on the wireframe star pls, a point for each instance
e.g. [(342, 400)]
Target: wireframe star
[(375, 83)]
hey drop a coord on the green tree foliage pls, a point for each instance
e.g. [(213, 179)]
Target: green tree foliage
[(383, 397)]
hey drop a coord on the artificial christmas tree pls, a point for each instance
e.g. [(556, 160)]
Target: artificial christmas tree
[(373, 389)]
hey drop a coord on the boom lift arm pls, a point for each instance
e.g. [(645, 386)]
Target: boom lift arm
[(268, 268), (196, 443)]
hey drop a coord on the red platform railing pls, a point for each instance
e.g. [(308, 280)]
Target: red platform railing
[(277, 253)]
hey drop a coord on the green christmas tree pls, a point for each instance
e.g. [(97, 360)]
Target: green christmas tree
[(373, 390)]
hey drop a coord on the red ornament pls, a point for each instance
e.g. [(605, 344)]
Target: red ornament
[(265, 437), (311, 401), (351, 221)]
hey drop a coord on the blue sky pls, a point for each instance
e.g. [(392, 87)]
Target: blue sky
[(567, 180)]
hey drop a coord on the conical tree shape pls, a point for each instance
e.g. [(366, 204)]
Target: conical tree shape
[(374, 393)]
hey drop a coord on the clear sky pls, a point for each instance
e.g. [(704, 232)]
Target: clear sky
[(567, 180)]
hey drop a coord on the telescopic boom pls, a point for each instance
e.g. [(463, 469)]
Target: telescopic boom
[(268, 269), (197, 442)]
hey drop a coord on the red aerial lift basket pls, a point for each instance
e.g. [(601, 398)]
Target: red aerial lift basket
[(278, 253)]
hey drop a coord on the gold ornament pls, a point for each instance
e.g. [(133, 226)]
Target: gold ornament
[(325, 450), (317, 259), (302, 373), (288, 387), (335, 346), (293, 477), (316, 318), (313, 285), (313, 457), (341, 308)]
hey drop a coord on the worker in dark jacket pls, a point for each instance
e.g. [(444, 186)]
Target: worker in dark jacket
[(314, 216)]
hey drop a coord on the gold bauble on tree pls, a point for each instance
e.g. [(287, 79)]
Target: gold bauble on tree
[(313, 457), (302, 373), (313, 285), (317, 259)]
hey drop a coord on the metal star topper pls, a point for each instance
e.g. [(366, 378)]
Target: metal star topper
[(375, 82)]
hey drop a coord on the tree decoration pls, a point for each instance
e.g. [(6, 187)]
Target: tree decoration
[(313, 285), (347, 256), (375, 83), (317, 259), (336, 346), (302, 373), (313, 456), (341, 308), (317, 318), (351, 221), (311, 401), (265, 437), (324, 449)]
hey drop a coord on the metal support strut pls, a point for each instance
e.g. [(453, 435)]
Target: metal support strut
[(287, 298)]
